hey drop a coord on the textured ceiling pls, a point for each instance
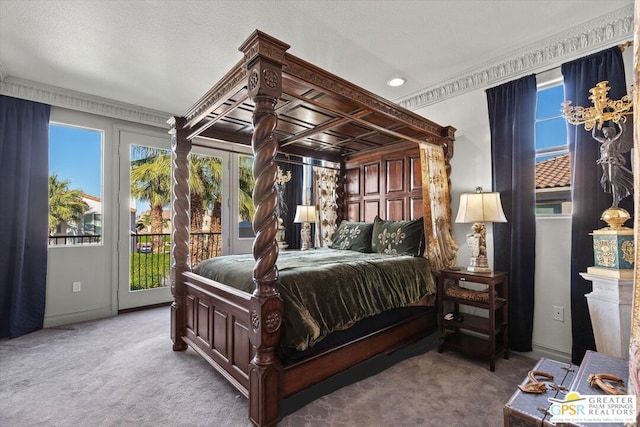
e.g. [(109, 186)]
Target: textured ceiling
[(164, 54)]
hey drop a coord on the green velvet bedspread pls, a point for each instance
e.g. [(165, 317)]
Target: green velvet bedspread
[(327, 289)]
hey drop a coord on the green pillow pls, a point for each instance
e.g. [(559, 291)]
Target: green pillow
[(353, 236), (398, 237)]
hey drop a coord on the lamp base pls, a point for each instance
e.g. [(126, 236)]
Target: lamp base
[(479, 264), (305, 237)]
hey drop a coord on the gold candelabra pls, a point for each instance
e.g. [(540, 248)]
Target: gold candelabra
[(283, 178), (281, 208), (616, 178), (603, 110)]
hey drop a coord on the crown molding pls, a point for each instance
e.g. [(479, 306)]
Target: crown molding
[(59, 97), (582, 40)]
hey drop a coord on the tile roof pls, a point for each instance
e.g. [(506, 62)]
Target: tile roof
[(554, 172)]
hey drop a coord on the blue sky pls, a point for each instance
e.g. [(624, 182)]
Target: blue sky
[(551, 129), (75, 154)]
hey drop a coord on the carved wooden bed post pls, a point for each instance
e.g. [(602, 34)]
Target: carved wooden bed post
[(180, 148), (264, 59)]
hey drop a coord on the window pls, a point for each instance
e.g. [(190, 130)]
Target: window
[(553, 172), (75, 185)]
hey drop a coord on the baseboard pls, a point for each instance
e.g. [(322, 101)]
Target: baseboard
[(546, 352), (82, 316), (144, 307)]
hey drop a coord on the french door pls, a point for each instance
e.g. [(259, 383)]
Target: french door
[(221, 213), (144, 231)]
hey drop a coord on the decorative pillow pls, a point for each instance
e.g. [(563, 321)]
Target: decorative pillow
[(398, 237), (353, 236)]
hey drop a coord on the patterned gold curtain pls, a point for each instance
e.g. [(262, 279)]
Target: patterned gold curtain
[(441, 245), (325, 182)]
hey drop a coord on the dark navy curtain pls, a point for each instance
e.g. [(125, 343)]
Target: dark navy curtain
[(292, 198), (512, 115), (589, 199), (24, 166)]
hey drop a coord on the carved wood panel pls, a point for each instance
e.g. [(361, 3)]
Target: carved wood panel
[(189, 313), (371, 209), (395, 175), (392, 187), (352, 182), (395, 209), (417, 208), (415, 173), (203, 331), (372, 179), (353, 211), (242, 349), (220, 325)]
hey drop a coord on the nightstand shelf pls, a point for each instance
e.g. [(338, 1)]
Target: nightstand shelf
[(500, 302), (471, 345), (474, 323), (472, 334)]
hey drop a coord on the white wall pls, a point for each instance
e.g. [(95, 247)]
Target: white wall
[(95, 266), (552, 338)]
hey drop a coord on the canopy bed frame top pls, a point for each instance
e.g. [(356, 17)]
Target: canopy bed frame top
[(276, 102)]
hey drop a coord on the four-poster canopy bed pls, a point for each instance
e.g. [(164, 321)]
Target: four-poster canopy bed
[(278, 103)]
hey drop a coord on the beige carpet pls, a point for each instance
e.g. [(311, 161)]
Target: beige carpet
[(99, 374)]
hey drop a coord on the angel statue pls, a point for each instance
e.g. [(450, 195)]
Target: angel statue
[(616, 179)]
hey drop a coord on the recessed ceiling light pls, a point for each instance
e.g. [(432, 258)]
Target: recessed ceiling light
[(397, 81)]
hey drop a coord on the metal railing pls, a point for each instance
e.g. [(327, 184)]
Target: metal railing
[(150, 254), (150, 257), (80, 239)]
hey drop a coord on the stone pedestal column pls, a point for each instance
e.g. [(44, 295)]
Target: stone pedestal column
[(610, 310)]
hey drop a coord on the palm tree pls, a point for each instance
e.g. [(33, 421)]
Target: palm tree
[(151, 182), (245, 190), (206, 183), (65, 205), (206, 186)]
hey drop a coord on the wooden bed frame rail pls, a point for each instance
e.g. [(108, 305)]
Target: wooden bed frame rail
[(217, 327)]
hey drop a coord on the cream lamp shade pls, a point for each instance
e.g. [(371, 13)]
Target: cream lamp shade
[(479, 208), (305, 214)]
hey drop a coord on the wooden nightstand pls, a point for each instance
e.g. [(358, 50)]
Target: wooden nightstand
[(491, 334)]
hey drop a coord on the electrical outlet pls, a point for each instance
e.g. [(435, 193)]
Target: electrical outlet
[(558, 313), (77, 286)]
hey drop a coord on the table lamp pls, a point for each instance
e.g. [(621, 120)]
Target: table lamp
[(479, 208), (306, 215)]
